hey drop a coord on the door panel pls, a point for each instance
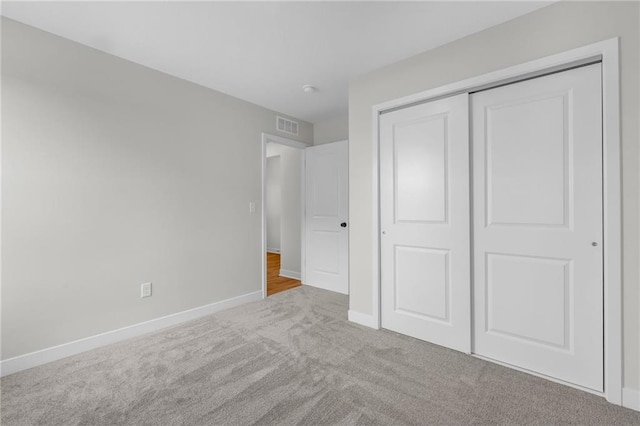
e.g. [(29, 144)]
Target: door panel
[(424, 211), (326, 208), (422, 282), (514, 306), (517, 192), (537, 161), (420, 184)]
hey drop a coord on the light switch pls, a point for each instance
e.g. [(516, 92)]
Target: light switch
[(252, 207)]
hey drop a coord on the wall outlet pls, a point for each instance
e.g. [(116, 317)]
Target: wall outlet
[(145, 290)]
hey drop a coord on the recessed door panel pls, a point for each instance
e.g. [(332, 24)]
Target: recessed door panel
[(326, 251), (527, 177), (535, 307), (422, 282), (325, 194), (537, 192), (420, 182), (424, 210)]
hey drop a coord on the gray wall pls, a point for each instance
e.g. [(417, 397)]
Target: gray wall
[(273, 203), (333, 130), (553, 29), (291, 208), (112, 175)]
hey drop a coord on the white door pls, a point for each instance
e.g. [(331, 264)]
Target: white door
[(537, 160), (326, 217), (424, 212)]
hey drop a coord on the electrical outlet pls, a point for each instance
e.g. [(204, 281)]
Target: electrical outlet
[(145, 290), (252, 207)]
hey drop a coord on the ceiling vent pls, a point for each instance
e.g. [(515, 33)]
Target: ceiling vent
[(286, 125)]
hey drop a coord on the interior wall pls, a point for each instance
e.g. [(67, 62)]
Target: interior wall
[(332, 130), (114, 174), (556, 28), (273, 203), (291, 207)]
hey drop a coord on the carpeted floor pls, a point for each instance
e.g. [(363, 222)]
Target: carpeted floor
[(292, 359)]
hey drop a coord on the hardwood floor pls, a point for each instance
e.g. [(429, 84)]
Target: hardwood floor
[(276, 283)]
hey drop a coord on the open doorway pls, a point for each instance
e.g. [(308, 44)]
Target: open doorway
[(283, 200)]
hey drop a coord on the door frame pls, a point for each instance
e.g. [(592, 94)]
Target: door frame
[(606, 52), (266, 138)]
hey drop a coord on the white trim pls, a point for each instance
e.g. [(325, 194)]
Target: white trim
[(1, 316), (290, 274), (631, 398), (608, 51), (44, 356), (273, 250), (266, 138), (303, 216), (375, 234), (362, 319), (612, 202), (263, 217), (530, 69)]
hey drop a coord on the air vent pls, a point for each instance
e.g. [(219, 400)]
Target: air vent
[(286, 126)]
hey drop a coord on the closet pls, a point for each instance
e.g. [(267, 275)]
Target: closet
[(491, 222)]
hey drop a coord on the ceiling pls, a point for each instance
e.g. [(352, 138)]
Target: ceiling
[(264, 52)]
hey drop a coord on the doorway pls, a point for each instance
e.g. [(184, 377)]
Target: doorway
[(282, 198)]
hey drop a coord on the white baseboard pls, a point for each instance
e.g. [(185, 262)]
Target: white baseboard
[(273, 250), (631, 398), (290, 274), (362, 319), (33, 359)]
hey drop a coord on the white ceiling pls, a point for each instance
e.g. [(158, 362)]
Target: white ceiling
[(264, 52)]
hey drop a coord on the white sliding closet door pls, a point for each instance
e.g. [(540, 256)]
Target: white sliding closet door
[(538, 265), (424, 211)]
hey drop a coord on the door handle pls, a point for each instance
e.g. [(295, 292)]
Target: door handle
[(343, 224)]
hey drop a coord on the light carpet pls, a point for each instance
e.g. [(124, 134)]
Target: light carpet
[(291, 359)]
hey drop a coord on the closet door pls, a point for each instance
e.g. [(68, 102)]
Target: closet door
[(538, 259), (424, 212)]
